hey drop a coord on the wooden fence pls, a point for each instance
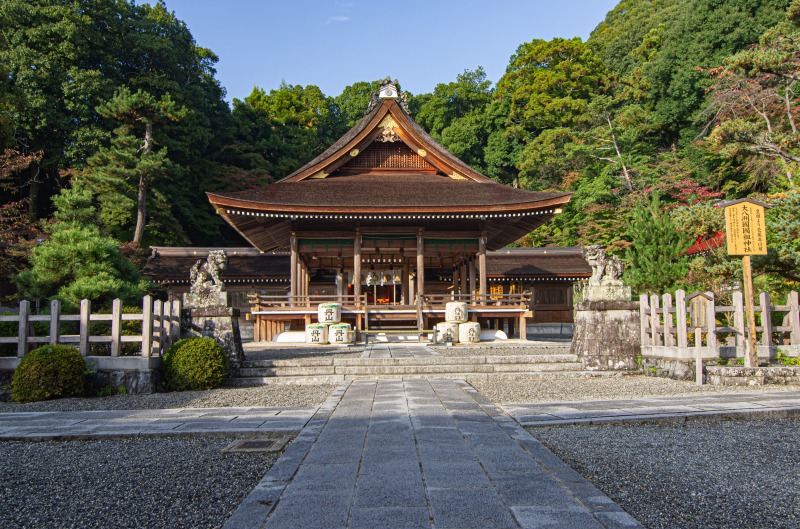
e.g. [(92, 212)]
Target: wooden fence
[(160, 326), (665, 330)]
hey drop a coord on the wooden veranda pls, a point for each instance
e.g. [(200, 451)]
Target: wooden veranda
[(275, 314)]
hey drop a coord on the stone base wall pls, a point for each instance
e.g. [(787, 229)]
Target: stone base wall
[(220, 323), (607, 335), (753, 376), (138, 375), (677, 369)]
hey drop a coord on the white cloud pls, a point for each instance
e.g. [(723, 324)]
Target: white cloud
[(339, 18)]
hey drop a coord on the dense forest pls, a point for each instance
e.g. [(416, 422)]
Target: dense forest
[(113, 125)]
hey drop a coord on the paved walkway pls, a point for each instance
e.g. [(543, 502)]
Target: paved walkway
[(656, 408), (420, 454), (393, 350), (185, 421)]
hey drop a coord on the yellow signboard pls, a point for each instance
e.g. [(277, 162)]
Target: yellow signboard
[(747, 233)]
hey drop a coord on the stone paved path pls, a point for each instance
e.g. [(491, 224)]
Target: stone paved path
[(93, 424), (420, 454), (392, 350), (656, 408)]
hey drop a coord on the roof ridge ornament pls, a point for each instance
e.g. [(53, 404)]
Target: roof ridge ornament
[(388, 90)]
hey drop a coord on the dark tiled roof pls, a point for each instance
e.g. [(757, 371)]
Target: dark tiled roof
[(538, 262), (248, 264), (388, 190), (244, 265)]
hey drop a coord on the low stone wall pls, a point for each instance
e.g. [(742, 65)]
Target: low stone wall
[(677, 369), (606, 335), (138, 375), (753, 376)]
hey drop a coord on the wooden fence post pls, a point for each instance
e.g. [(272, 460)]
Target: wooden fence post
[(668, 338), (158, 326), (794, 317), (738, 322), (680, 317), (86, 310), (175, 332), (766, 318), (711, 316), (147, 325), (655, 323), (22, 333), (643, 315), (55, 317), (116, 326)]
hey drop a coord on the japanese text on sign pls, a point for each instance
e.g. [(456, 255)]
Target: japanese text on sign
[(746, 230)]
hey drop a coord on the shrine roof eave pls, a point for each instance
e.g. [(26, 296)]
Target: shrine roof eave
[(237, 205)]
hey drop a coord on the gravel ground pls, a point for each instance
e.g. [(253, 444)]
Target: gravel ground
[(525, 389), (270, 395), (482, 350), (260, 352), (715, 474), (137, 483)]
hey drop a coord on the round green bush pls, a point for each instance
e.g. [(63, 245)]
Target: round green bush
[(48, 372), (194, 363)]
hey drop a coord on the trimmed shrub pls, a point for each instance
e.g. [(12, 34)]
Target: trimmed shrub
[(194, 363), (49, 372)]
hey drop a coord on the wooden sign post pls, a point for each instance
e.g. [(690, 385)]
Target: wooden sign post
[(747, 235)]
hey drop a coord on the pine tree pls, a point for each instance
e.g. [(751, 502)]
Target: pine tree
[(655, 251), (132, 161), (76, 261)]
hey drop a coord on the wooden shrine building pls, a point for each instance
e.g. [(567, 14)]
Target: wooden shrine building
[(396, 219)]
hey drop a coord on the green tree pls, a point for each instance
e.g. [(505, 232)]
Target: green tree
[(132, 160), (655, 252), (76, 261)]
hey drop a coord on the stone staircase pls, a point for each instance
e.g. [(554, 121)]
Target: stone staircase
[(334, 370)]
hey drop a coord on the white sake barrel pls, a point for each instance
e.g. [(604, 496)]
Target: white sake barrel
[(447, 332), (329, 313), (317, 334), (455, 312), (340, 333), (469, 332)]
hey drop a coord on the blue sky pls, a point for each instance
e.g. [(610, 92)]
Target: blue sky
[(333, 43)]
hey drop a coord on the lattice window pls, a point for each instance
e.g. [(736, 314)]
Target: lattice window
[(389, 156)]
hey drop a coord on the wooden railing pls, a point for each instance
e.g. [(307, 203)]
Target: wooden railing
[(516, 301), (160, 327), (665, 329), (263, 302)]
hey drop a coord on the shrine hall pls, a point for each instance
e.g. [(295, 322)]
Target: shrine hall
[(400, 224)]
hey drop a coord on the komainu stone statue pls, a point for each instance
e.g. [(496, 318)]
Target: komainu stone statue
[(206, 288), (206, 311), (606, 281), (605, 270)]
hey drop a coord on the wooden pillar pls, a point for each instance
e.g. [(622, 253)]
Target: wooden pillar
[(464, 287), (420, 262), (482, 266), (523, 326), (339, 285), (404, 294), (473, 286), (294, 280), (357, 267), (455, 279)]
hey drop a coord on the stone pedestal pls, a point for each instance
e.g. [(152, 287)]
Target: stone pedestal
[(607, 292), (220, 323), (607, 334)]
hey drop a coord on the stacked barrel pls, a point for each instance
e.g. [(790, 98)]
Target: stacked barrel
[(456, 328), (330, 328)]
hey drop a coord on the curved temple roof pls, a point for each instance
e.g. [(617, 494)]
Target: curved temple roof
[(386, 167)]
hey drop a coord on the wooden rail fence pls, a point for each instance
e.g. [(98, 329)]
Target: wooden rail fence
[(665, 330), (160, 327)]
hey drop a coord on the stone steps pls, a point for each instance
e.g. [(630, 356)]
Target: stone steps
[(334, 370), (336, 379)]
